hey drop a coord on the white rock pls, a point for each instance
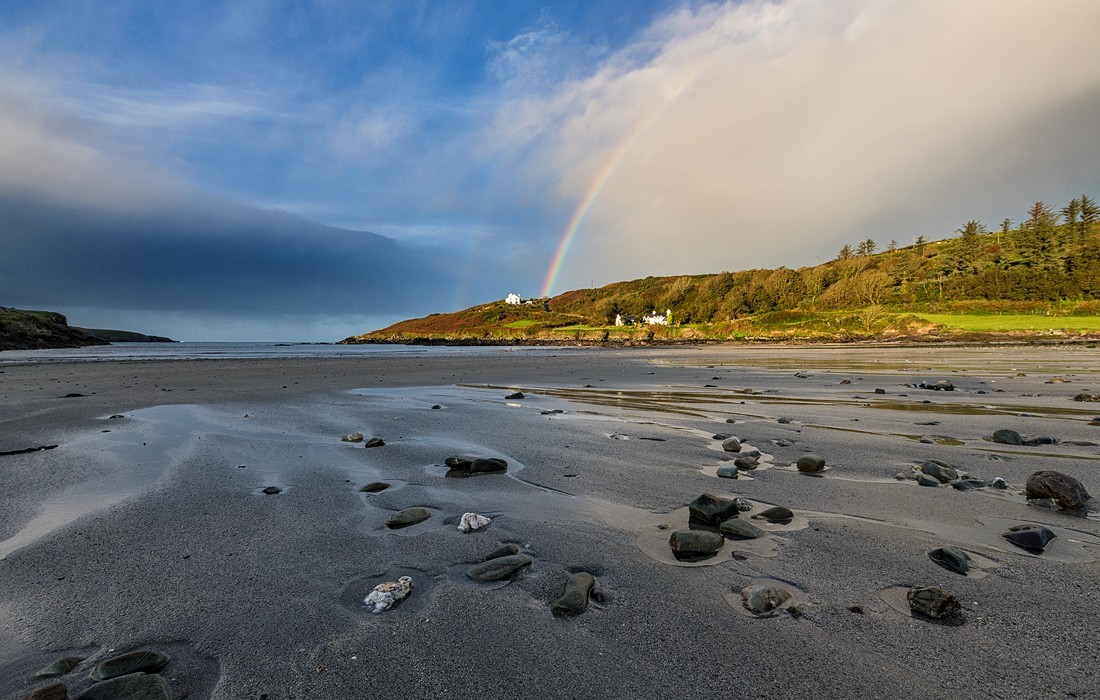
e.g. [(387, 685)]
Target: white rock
[(354, 437), (386, 595), (472, 521)]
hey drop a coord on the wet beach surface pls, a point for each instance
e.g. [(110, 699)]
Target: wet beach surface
[(148, 525)]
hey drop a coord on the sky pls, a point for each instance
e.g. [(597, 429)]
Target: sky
[(266, 170)]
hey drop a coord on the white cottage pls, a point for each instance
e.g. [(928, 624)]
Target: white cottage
[(513, 299), (655, 319)]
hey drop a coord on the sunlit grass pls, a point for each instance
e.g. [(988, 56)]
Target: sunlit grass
[(1013, 322)]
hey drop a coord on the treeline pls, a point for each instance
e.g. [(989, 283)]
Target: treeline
[(1053, 255)]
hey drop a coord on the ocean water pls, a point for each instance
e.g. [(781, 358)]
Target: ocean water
[(215, 351)]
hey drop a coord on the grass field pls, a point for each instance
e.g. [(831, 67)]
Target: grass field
[(526, 323), (1013, 322)]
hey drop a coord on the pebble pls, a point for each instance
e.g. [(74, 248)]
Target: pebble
[(374, 442), (732, 445), (933, 602), (925, 480), (1030, 537), (271, 490), (354, 437), (942, 471), (472, 521), (515, 397), (388, 594), (131, 662), (1066, 491), (762, 600), (1007, 437), (942, 385), (776, 515), (375, 487), (60, 667), (503, 550), (739, 529), (407, 517), (466, 464), (711, 509), (578, 589), (951, 559), (1092, 398), (499, 568), (746, 462), (720, 436), (692, 543), (880, 391), (726, 471), (810, 463)]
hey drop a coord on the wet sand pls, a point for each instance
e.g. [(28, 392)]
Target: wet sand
[(150, 530)]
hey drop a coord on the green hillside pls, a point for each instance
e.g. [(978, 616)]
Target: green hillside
[(32, 330), (1040, 277)]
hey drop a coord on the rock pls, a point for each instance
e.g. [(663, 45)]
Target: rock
[(53, 691), (1030, 537), (388, 594), (1064, 489), (810, 463), (436, 407), (925, 480), (503, 550), (271, 490), (762, 600), (354, 437), (997, 483), (845, 381), (942, 385), (407, 517), (499, 568), (732, 445), (136, 686), (131, 662), (967, 484), (712, 510), (880, 391), (801, 375), (374, 442), (515, 397), (783, 442), (1091, 398), (933, 602), (738, 529), (726, 471), (720, 436), (784, 421), (60, 667), (472, 521), (375, 487), (951, 559), (694, 543), (460, 461), (464, 465), (1057, 380), (1040, 440), (940, 470), (1007, 437), (743, 504), (746, 462), (574, 600), (776, 515)]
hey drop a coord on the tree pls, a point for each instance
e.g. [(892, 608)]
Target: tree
[(971, 229), (845, 253), (891, 246), (919, 240), (1088, 210), (867, 247), (1040, 218), (1070, 213)]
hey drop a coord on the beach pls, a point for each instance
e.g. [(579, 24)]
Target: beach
[(148, 526)]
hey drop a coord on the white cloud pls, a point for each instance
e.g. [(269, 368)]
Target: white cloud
[(765, 133)]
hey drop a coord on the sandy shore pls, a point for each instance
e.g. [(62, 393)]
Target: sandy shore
[(150, 530)]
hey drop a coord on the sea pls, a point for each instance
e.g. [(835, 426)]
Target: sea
[(239, 351)]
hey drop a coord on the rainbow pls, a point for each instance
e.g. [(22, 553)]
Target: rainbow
[(603, 175)]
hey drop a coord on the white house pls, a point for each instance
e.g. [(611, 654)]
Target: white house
[(513, 299), (655, 319)]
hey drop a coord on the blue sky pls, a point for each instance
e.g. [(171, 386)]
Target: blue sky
[(305, 171)]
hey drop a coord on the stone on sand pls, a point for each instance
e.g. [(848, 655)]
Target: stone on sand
[(777, 515), (374, 442), (472, 521), (1006, 436), (711, 509), (933, 602), (951, 559), (810, 463), (1031, 537), (53, 691), (499, 568), (407, 517), (388, 594), (354, 437), (727, 471), (136, 686), (693, 543), (130, 662), (503, 550), (60, 667), (942, 471), (1066, 491), (763, 600), (738, 529), (375, 487), (574, 600), (731, 445)]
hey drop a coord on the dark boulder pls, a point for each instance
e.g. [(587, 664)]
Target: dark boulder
[(1064, 489)]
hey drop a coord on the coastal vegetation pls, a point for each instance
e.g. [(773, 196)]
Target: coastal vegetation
[(1041, 276), (34, 330)]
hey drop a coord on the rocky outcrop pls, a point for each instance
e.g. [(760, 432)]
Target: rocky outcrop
[(38, 330)]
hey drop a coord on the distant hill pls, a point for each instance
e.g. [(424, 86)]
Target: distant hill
[(1039, 278), (112, 336), (32, 330), (35, 330)]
